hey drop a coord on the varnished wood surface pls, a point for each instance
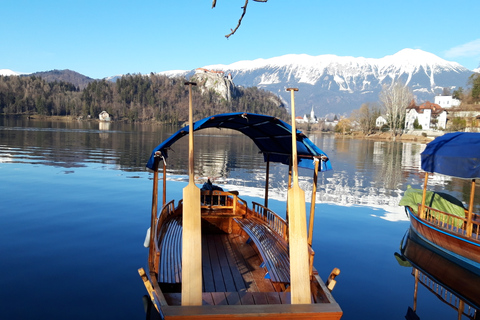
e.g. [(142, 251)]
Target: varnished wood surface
[(235, 298), (464, 283), (456, 243), (273, 249), (229, 263), (329, 311), (297, 227), (234, 284)]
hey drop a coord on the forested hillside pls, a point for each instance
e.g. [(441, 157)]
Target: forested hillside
[(64, 75), (132, 97)]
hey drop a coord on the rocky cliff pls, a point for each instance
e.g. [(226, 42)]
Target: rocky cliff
[(208, 80)]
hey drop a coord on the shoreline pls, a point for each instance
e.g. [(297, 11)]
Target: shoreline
[(386, 136), (383, 136)]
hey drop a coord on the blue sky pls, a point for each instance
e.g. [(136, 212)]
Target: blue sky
[(103, 38)]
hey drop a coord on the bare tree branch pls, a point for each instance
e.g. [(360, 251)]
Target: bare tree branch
[(214, 3), (239, 21)]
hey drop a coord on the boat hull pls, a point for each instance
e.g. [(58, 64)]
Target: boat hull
[(454, 244), (444, 271)]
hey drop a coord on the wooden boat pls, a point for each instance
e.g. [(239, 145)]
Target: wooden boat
[(214, 256), (452, 283), (437, 217)]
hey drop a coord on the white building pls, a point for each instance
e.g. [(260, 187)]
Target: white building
[(104, 116), (307, 119), (429, 116), (447, 101), (380, 121)]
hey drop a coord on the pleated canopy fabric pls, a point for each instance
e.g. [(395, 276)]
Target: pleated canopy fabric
[(454, 154), (272, 136)]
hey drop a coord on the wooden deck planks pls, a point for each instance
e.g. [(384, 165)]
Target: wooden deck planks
[(215, 263), (234, 298), (208, 281), (224, 264), (233, 261), (229, 265)]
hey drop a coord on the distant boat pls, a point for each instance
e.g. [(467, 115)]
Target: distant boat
[(439, 218), (213, 256), (452, 283)]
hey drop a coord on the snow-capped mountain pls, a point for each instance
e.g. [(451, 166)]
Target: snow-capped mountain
[(333, 84), (8, 72)]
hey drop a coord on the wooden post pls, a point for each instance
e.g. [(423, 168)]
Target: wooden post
[(416, 290), (267, 178), (192, 232), (164, 193), (421, 214), (461, 307), (470, 210), (312, 206), (153, 217), (297, 229)]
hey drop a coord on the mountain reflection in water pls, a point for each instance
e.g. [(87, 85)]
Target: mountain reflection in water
[(75, 196)]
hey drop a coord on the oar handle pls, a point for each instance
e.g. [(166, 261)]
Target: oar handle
[(294, 136), (190, 132)]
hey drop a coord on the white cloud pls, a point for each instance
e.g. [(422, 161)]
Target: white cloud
[(470, 49)]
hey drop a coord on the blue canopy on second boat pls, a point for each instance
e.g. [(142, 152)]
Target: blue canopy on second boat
[(454, 154), (271, 135)]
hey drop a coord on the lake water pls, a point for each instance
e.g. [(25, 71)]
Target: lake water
[(75, 205)]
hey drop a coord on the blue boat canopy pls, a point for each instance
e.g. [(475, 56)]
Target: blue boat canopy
[(454, 154), (272, 136)]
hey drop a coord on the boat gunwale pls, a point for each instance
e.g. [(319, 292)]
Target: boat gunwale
[(432, 239)]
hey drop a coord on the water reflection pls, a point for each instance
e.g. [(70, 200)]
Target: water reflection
[(456, 285), (366, 173)]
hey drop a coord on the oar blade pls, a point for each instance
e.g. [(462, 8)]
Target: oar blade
[(191, 247), (299, 260)]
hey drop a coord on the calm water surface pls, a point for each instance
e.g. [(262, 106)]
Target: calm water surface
[(75, 203)]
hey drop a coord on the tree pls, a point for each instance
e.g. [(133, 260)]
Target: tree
[(416, 125), (458, 94), (474, 80), (395, 99), (343, 126), (366, 117), (458, 124)]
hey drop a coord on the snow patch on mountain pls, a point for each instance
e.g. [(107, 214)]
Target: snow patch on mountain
[(8, 72), (175, 73)]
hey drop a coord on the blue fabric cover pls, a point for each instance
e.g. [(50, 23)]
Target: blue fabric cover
[(454, 154), (271, 135)]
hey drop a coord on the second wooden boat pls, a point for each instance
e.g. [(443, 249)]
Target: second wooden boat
[(437, 217)]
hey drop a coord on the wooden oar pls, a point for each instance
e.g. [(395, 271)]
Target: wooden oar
[(192, 232), (297, 228)]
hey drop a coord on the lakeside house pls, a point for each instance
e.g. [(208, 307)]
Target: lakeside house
[(447, 102), (104, 116), (380, 121), (429, 115)]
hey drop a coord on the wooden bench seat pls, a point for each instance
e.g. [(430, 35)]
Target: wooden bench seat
[(170, 267), (272, 248), (222, 203)]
